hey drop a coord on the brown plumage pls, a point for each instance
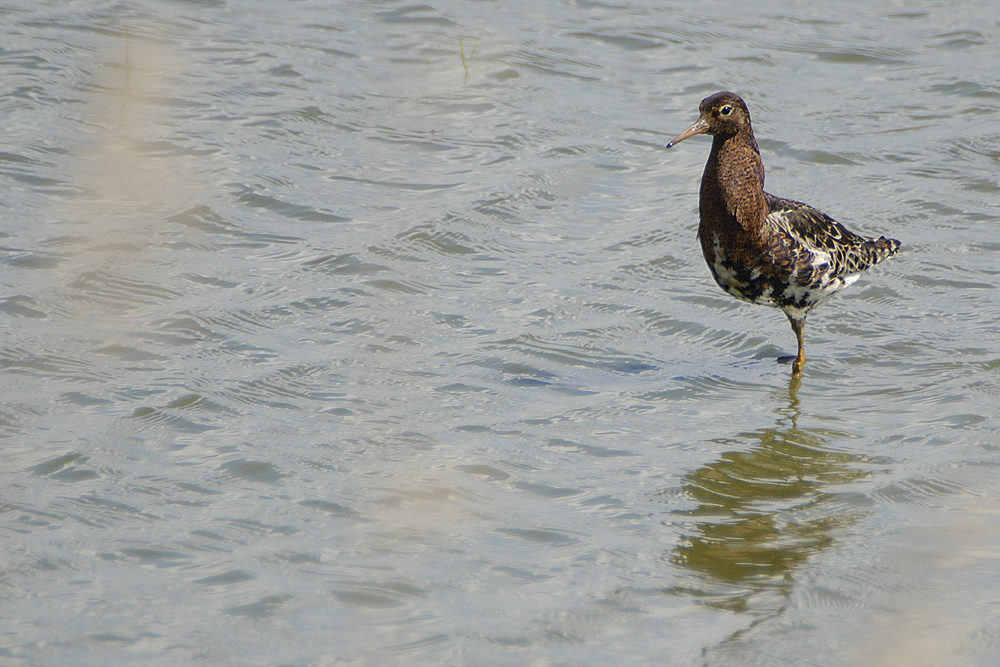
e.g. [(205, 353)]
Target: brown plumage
[(761, 248)]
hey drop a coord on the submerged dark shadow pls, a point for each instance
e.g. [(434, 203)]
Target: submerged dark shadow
[(762, 509)]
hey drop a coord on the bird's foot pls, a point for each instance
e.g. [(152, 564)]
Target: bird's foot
[(797, 363)]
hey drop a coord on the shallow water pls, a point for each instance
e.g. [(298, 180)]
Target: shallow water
[(378, 333)]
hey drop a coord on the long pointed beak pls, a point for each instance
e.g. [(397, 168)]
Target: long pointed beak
[(701, 127)]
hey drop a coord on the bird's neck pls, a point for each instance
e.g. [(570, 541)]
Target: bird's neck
[(737, 157), (734, 176)]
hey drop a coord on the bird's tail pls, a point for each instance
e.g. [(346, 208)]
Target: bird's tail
[(879, 249)]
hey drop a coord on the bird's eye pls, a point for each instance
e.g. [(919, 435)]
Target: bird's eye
[(726, 110)]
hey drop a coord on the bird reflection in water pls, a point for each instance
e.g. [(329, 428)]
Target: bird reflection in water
[(762, 509)]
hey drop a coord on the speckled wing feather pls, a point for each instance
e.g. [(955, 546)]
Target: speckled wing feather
[(848, 252)]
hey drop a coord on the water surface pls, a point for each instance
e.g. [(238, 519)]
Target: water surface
[(378, 333)]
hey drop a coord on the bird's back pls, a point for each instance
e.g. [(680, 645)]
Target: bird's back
[(818, 233)]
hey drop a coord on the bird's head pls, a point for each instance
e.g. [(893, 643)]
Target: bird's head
[(722, 114)]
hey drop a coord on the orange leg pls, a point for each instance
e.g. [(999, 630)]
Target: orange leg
[(798, 326)]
